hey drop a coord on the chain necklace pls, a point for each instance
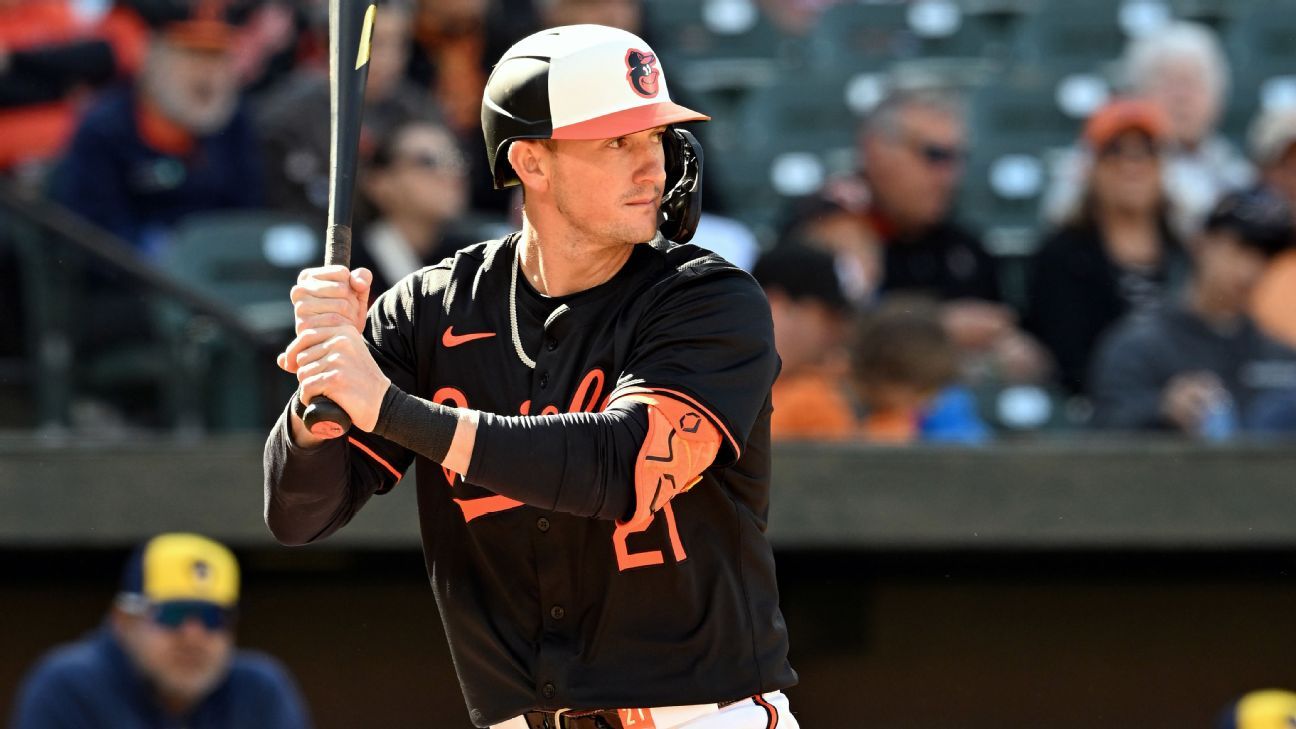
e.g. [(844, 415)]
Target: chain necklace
[(513, 322)]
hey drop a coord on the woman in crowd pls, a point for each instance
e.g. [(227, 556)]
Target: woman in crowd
[(1116, 252)]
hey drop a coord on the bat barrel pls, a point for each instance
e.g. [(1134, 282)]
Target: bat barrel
[(350, 29)]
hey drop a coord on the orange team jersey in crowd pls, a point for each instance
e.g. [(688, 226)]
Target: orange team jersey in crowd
[(39, 131), (894, 427), (1274, 302), (811, 405)]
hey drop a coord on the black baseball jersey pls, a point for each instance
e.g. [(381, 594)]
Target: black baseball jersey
[(548, 610)]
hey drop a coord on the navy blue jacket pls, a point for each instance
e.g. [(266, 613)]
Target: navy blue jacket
[(113, 178), (92, 684)]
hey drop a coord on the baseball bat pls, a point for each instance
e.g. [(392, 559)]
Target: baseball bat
[(350, 31)]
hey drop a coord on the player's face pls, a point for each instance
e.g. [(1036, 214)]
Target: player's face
[(610, 190), (185, 663)]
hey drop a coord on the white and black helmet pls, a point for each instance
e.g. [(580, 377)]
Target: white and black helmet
[(591, 82)]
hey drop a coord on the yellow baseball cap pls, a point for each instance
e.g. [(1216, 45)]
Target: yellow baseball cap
[(1266, 709), (181, 567)]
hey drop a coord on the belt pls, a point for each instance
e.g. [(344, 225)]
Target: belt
[(666, 716)]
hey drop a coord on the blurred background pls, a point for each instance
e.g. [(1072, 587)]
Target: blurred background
[(1032, 273)]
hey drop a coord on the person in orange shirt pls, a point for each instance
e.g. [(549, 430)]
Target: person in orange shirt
[(811, 318), (1273, 148)]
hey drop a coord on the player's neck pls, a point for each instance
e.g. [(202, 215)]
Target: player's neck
[(562, 265)]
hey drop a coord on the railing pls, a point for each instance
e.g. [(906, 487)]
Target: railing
[(54, 249)]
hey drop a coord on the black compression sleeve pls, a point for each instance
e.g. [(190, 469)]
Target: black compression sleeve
[(579, 463), (420, 425)]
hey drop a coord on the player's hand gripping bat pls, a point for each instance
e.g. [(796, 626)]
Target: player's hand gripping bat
[(350, 28)]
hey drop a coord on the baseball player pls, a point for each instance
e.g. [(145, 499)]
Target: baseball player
[(587, 401)]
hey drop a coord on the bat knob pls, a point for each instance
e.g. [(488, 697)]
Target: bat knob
[(324, 419)]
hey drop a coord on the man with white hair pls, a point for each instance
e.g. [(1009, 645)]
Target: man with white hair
[(1182, 69), (177, 141)]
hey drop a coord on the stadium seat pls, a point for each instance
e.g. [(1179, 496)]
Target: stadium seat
[(1066, 35), (1261, 32), (716, 44), (1261, 51), (790, 136), (862, 37), (249, 261)]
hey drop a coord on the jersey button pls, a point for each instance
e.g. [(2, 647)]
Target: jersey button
[(557, 613), (548, 691), (542, 524), (544, 379), (551, 344)]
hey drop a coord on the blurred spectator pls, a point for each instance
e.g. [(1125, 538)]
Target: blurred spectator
[(266, 43), (904, 368), (1182, 69), (165, 656), (450, 38), (418, 187), (455, 41), (1203, 367), (1116, 253), (811, 394), (624, 14), (1273, 149), (830, 226), (50, 53), (911, 150), (1266, 709), (795, 18), (293, 118), (175, 142)]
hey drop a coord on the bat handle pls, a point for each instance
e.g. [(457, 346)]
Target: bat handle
[(323, 417)]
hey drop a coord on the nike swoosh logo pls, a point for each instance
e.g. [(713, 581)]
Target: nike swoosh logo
[(450, 339)]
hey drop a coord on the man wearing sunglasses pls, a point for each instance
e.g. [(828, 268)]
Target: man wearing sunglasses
[(165, 656), (911, 150)]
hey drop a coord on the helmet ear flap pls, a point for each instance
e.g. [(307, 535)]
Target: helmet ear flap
[(681, 206)]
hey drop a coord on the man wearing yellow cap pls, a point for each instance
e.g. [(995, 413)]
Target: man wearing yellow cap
[(165, 657)]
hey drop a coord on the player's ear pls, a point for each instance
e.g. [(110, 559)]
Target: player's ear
[(530, 160)]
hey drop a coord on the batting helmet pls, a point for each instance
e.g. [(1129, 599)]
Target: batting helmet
[(591, 82)]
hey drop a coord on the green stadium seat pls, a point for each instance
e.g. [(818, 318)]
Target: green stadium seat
[(249, 261), (789, 136), (716, 44), (1066, 35), (1261, 33), (861, 37)]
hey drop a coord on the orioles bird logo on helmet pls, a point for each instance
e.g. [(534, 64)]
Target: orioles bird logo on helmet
[(643, 74)]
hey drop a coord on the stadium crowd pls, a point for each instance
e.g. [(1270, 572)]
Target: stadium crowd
[(1159, 293)]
